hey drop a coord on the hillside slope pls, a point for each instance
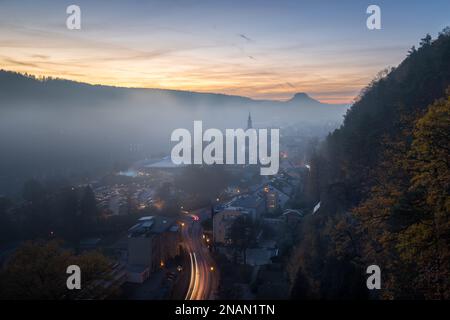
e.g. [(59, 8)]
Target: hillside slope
[(383, 183)]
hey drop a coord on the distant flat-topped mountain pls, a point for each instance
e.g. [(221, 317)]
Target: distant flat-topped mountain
[(302, 97)]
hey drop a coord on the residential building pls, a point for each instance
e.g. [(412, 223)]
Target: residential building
[(274, 198), (151, 242), (252, 204), (292, 216)]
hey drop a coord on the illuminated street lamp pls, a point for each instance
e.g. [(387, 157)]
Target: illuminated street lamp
[(180, 268), (211, 268)]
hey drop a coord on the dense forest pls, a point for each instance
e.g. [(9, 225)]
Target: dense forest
[(383, 181)]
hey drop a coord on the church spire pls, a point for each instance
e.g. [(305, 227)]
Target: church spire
[(249, 121)]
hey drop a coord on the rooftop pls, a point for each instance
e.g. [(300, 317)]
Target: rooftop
[(248, 201), (149, 225)]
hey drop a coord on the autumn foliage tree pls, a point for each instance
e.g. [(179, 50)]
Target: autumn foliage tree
[(383, 182), (426, 242), (37, 270)]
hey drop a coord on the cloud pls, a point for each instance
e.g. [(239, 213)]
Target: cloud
[(19, 63), (40, 56), (243, 36), (201, 62), (290, 85)]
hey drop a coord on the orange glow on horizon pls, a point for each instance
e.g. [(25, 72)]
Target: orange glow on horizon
[(201, 87), (171, 54)]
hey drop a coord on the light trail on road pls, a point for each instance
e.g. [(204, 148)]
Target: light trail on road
[(192, 280), (203, 280)]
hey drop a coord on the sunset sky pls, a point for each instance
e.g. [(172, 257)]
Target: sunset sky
[(260, 49)]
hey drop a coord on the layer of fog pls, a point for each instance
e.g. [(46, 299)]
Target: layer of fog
[(83, 130)]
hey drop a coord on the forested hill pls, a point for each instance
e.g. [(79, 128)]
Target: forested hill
[(403, 91), (383, 182)]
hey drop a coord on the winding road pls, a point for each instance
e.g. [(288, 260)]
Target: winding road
[(204, 277)]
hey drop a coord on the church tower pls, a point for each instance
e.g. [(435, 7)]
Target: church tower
[(249, 121)]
